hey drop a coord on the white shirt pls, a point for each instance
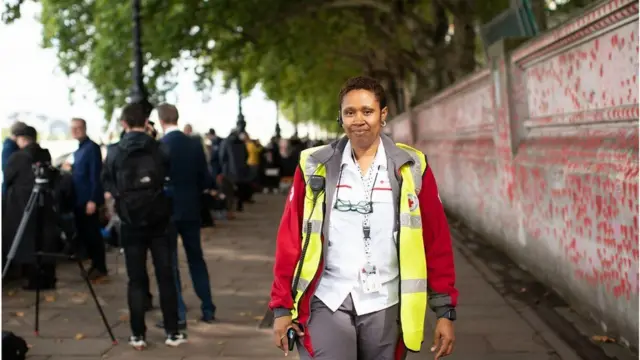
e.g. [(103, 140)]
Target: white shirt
[(346, 255)]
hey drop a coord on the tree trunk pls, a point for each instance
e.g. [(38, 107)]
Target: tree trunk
[(439, 60), (464, 40)]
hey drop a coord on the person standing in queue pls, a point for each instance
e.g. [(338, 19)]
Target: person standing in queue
[(86, 170), (189, 178), (135, 174), (362, 227)]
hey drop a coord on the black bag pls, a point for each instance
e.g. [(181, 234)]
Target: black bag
[(140, 182), (13, 347)]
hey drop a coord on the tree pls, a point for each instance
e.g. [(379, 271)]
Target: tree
[(300, 52)]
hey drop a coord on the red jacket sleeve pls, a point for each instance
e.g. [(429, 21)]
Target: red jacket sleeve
[(441, 275), (288, 244)]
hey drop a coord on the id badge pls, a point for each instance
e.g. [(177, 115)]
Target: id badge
[(370, 279)]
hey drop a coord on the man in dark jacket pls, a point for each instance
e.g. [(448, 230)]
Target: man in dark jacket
[(189, 179), (233, 158), (9, 146), (87, 166), (20, 179), (272, 168), (152, 232), (214, 159)]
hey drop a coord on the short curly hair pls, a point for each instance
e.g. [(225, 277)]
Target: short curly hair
[(364, 83)]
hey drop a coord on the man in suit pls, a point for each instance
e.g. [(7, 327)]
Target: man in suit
[(86, 170), (189, 178)]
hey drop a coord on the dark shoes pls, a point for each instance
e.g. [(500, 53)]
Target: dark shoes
[(96, 276), (208, 319)]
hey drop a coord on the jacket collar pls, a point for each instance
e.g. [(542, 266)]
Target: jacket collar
[(396, 155)]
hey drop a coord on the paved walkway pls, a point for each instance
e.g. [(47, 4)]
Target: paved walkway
[(240, 258)]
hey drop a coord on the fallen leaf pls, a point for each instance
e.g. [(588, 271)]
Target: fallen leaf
[(49, 298), (523, 290), (242, 314), (124, 317), (11, 292), (261, 302), (79, 336), (258, 317), (221, 342), (20, 314), (603, 339)]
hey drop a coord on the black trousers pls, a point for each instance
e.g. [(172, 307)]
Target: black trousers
[(136, 244), (243, 194), (88, 227)]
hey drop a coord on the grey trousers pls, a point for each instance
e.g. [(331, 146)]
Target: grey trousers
[(343, 335)]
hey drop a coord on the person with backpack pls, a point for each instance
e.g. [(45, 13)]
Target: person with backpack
[(136, 175)]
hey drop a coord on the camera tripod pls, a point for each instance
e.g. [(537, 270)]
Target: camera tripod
[(36, 201)]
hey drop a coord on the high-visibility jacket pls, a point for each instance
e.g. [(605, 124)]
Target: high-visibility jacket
[(412, 260)]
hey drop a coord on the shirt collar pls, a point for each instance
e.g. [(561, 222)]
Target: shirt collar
[(380, 159), (171, 129)]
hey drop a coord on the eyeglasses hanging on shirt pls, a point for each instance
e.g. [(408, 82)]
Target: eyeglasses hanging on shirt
[(362, 207)]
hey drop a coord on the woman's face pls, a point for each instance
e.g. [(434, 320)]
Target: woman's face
[(362, 117)]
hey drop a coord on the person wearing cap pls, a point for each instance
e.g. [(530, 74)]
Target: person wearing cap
[(20, 179)]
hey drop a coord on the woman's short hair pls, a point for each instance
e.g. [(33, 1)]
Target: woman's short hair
[(364, 83)]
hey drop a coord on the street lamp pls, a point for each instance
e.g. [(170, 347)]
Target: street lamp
[(241, 124), (139, 94), (277, 120)]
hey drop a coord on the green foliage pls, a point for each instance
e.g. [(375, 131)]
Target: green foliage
[(300, 52)]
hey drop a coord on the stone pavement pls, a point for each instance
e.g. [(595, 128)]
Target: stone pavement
[(240, 258)]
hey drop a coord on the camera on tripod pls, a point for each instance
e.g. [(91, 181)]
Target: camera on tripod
[(43, 198), (44, 172)]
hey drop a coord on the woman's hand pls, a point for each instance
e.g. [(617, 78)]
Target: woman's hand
[(443, 338), (280, 327)]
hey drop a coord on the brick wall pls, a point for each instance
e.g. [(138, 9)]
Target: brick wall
[(539, 152)]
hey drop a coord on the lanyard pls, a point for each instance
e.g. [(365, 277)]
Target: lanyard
[(368, 182)]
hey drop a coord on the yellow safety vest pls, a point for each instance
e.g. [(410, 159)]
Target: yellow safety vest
[(412, 261)]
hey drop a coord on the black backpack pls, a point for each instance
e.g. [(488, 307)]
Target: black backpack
[(13, 346), (140, 183)]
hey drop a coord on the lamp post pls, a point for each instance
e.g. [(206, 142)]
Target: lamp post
[(277, 120), (139, 94), (241, 124)]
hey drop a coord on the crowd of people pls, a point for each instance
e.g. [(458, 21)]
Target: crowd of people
[(146, 192)]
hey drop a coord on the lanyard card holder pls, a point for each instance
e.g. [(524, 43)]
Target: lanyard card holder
[(369, 276)]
